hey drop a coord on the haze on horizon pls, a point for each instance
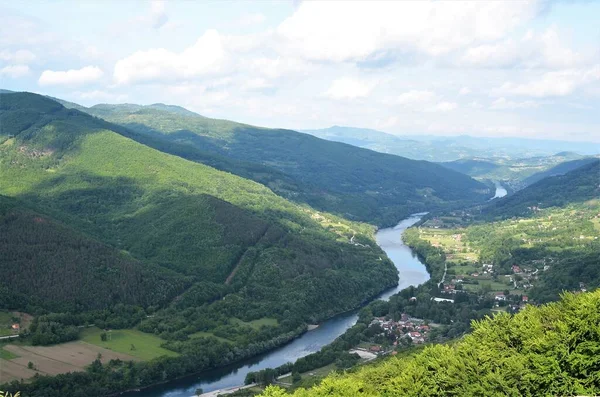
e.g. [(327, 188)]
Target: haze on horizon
[(514, 68)]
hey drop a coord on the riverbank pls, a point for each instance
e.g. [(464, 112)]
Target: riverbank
[(309, 342)]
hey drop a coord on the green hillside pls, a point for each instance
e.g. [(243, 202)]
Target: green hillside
[(559, 169), (228, 235), (550, 350), (47, 265), (342, 179), (575, 186)]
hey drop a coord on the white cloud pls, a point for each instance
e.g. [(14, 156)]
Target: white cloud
[(412, 97), (14, 71), (464, 91), (19, 56), (81, 76), (387, 123), (251, 19), (545, 50), (274, 68), (444, 107), (357, 30), (256, 84), (502, 104), (349, 88), (157, 16), (552, 84), (97, 96), (207, 56)]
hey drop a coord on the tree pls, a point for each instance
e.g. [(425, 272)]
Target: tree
[(199, 391), (103, 337), (30, 365), (296, 377)]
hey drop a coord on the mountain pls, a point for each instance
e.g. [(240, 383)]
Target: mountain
[(351, 182), (575, 186), (450, 148), (47, 265), (224, 236), (546, 350), (514, 173), (472, 167), (559, 169)]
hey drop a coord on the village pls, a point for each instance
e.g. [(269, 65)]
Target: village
[(407, 330)]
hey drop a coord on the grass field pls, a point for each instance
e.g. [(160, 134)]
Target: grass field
[(7, 355), (256, 324), (128, 341), (5, 323)]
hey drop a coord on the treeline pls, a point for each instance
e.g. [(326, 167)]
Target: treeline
[(547, 350), (434, 258), (116, 376)]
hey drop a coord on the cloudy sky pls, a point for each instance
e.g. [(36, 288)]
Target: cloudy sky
[(500, 68)]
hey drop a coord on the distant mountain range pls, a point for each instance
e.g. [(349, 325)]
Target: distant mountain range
[(342, 179), (449, 148)]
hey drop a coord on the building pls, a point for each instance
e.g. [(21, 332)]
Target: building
[(16, 327), (500, 296)]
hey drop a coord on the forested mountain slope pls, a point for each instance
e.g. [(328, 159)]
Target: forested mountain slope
[(48, 266), (559, 169), (346, 180), (550, 350), (228, 234), (575, 186)]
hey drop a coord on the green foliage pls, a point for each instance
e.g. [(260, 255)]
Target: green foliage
[(323, 174), (50, 266), (576, 186), (548, 350), (97, 218)]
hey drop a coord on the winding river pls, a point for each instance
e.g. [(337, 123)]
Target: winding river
[(412, 272)]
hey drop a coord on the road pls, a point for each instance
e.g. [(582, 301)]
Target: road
[(230, 390), (9, 337)]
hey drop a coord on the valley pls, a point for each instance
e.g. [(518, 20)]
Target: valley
[(158, 257)]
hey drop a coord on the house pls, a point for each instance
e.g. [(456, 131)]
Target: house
[(516, 269), (16, 327), (413, 299), (525, 298), (500, 296), (375, 349)]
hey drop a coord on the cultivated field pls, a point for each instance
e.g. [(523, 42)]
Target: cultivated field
[(52, 360)]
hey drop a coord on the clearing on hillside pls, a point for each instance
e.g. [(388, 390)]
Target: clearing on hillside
[(128, 341)]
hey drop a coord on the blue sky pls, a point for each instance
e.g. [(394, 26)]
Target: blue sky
[(500, 68)]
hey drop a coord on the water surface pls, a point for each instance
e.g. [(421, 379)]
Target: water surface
[(411, 272)]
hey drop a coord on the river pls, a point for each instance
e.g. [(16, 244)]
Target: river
[(411, 271), (500, 191)]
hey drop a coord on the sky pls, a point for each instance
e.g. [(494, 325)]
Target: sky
[(499, 68)]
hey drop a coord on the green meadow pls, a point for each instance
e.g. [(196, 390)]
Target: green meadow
[(128, 341)]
